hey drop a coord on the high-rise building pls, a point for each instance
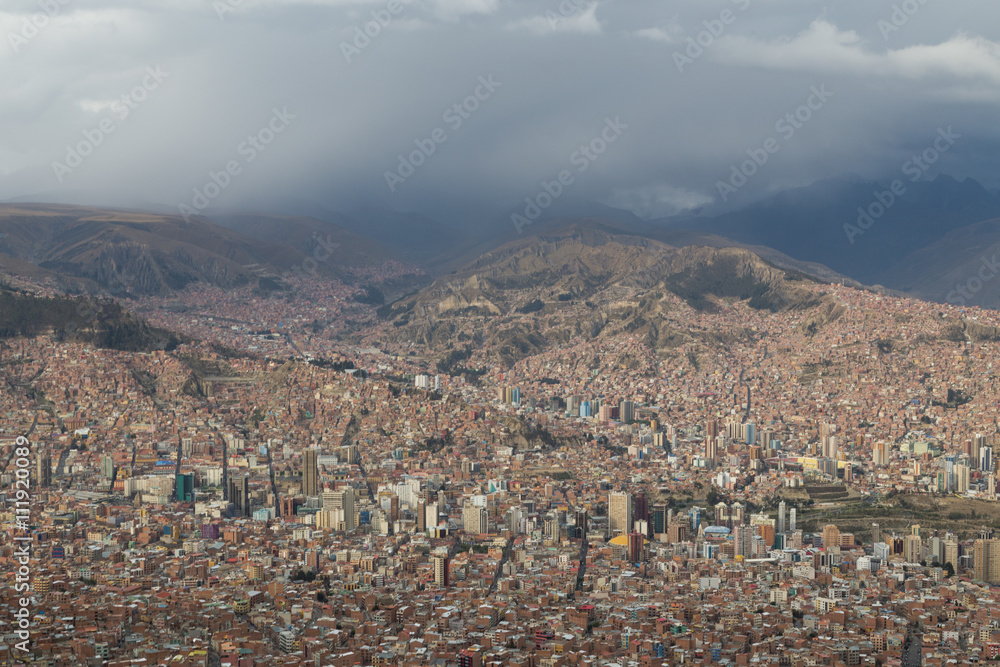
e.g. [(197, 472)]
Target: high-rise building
[(512, 520), (582, 522), (108, 467), (791, 520), (951, 551), (880, 454), (552, 526), (876, 533), (441, 571), (913, 549), (310, 473), (986, 560), (422, 516), (626, 411), (712, 449), (781, 517), (743, 540), (619, 512), (640, 508), (475, 519), (986, 459), (432, 514), (341, 500), (43, 465), (239, 494), (636, 553), (659, 518), (185, 487), (961, 478), (831, 536)]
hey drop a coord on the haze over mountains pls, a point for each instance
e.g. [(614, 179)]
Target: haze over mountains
[(929, 241)]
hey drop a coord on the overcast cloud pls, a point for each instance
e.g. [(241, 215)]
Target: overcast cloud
[(351, 108)]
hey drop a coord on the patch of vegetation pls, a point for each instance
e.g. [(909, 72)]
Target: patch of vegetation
[(103, 323), (371, 296), (448, 364), (339, 366), (267, 286), (693, 360), (956, 397), (532, 306)]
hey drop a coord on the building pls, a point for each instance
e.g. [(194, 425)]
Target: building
[(43, 464), (475, 519), (831, 536), (880, 454), (185, 487), (951, 552), (441, 571), (636, 552), (310, 473), (619, 512), (239, 494), (743, 540), (343, 501), (108, 467), (986, 560), (913, 549)]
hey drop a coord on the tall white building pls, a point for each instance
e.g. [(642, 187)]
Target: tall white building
[(341, 500), (475, 519)]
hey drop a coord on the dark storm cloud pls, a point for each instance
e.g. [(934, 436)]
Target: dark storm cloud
[(72, 73)]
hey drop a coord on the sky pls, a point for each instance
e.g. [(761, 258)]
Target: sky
[(651, 106)]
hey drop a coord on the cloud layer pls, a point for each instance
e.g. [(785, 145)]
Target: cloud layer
[(371, 82)]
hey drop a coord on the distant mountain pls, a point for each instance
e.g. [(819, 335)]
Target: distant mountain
[(822, 223), (587, 279), (311, 237), (962, 268), (413, 236), (134, 252)]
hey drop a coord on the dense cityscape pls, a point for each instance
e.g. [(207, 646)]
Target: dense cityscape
[(499, 333), (268, 493)]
